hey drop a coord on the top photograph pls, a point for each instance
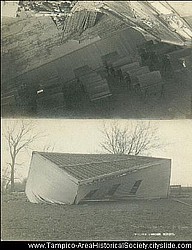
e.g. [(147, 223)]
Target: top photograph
[(96, 59)]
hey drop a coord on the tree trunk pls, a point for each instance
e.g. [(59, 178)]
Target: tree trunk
[(7, 186), (13, 176)]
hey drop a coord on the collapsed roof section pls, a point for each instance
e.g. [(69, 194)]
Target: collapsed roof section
[(65, 15), (157, 18), (161, 20)]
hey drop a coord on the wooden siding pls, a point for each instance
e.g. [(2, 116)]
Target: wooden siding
[(62, 69)]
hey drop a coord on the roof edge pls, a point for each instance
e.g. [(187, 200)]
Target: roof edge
[(118, 155), (119, 172)]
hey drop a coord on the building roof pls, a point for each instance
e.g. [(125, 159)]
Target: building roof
[(86, 166)]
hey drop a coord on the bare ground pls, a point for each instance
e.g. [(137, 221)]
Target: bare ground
[(114, 220)]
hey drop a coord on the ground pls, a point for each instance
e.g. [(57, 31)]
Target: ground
[(114, 220)]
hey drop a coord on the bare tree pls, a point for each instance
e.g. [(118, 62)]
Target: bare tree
[(135, 139), (5, 180), (19, 135)]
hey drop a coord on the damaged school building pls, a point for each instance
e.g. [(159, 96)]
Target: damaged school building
[(97, 59), (65, 178)]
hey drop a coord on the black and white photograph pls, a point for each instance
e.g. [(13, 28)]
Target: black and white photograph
[(97, 59), (96, 124), (97, 180)]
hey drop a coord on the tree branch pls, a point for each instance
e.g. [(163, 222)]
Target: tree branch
[(125, 140)]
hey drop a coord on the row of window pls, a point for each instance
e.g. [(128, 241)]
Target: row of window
[(113, 189)]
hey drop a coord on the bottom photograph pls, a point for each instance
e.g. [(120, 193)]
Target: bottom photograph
[(96, 180)]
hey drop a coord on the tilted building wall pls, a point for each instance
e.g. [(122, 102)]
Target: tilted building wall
[(155, 180), (48, 183)]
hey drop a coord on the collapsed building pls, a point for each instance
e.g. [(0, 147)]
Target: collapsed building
[(72, 178)]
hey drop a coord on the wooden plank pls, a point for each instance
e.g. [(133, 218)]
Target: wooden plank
[(96, 85), (130, 66), (97, 90), (92, 18), (110, 58), (121, 62), (149, 79), (91, 78), (85, 69), (104, 95), (180, 53), (140, 71)]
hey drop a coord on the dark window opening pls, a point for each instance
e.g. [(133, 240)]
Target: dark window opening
[(135, 187), (90, 194), (113, 189)]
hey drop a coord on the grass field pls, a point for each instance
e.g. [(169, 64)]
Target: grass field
[(114, 220)]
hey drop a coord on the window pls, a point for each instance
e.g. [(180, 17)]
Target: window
[(113, 189), (90, 194), (135, 187)]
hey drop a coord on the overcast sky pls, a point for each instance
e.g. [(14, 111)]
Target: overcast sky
[(9, 8), (84, 136)]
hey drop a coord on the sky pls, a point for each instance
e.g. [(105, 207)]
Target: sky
[(9, 8), (84, 136)]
